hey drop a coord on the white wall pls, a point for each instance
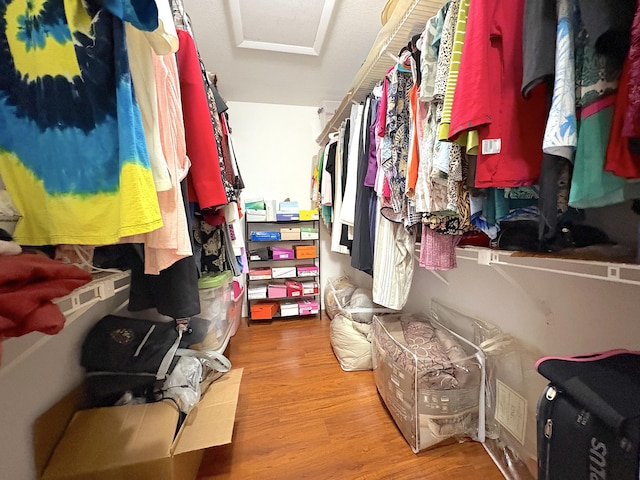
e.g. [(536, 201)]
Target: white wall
[(33, 379), (555, 313), (559, 314), (274, 146)]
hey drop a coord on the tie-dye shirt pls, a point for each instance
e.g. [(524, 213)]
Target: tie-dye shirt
[(72, 149)]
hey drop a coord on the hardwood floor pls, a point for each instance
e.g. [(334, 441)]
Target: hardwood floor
[(300, 416)]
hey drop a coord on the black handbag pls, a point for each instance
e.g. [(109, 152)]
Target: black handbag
[(588, 417)]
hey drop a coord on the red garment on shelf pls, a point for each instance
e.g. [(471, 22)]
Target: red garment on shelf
[(28, 283)]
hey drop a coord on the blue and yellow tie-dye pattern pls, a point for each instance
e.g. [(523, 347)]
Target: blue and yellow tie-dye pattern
[(72, 148)]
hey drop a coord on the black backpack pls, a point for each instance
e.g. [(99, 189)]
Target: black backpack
[(130, 355)]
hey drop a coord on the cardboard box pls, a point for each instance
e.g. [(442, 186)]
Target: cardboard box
[(279, 253), (288, 309), (308, 307), (276, 290), (264, 310), (289, 233), (307, 270), (263, 273), (283, 272), (264, 236), (309, 288), (137, 441), (305, 251), (308, 234), (257, 292), (260, 254), (287, 217), (294, 289), (309, 214), (288, 207), (256, 215)]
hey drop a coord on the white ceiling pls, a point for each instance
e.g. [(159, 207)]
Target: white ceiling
[(290, 52)]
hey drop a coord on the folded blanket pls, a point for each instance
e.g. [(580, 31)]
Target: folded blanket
[(28, 283)]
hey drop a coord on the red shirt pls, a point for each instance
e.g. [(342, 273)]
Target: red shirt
[(205, 179), (620, 160), (488, 98)]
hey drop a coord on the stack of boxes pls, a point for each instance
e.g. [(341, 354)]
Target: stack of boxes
[(282, 286)]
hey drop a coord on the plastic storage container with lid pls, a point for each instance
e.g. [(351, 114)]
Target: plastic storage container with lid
[(216, 299), (431, 379)]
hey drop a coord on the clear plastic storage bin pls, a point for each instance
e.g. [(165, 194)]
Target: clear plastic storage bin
[(431, 379), (216, 300)]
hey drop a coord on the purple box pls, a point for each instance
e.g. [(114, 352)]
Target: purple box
[(279, 253)]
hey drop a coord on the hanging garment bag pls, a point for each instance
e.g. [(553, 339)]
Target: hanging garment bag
[(588, 417)]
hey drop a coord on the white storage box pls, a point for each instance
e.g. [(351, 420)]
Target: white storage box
[(288, 309), (431, 379), (309, 288), (308, 234), (257, 292), (256, 216), (216, 298), (283, 272)]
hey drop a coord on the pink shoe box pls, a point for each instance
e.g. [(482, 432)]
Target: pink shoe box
[(308, 307), (307, 270), (260, 273), (279, 253), (276, 290)]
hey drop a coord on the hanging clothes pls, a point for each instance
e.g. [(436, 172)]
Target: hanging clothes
[(141, 48), (393, 265), (539, 44), (336, 169), (486, 97), (621, 160), (173, 292), (631, 127), (172, 242), (362, 250), (597, 76), (205, 180), (347, 212), (72, 150)]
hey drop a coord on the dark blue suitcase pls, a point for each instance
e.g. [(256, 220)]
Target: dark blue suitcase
[(588, 417)]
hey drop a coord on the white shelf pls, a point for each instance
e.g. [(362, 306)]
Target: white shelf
[(103, 286), (409, 18), (628, 273)]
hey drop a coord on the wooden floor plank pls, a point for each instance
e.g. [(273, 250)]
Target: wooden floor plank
[(300, 416)]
